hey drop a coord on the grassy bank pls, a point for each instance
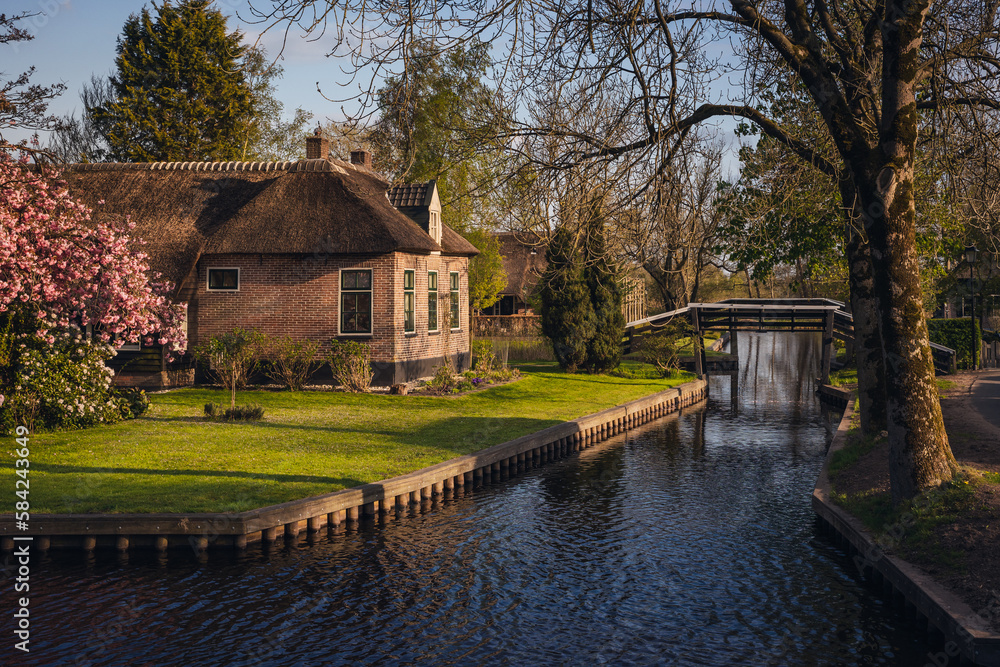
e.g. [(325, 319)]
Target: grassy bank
[(948, 531), (173, 460)]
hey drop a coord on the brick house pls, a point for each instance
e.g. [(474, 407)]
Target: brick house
[(314, 249)]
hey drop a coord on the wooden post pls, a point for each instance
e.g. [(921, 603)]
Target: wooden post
[(696, 345), (827, 346)]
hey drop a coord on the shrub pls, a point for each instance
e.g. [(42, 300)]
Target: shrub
[(351, 364), (287, 361), (231, 357), (134, 402), (482, 352), (443, 380), (957, 334), (250, 412), (60, 382), (662, 348)]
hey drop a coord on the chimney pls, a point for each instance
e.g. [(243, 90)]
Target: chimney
[(362, 158), (317, 146)]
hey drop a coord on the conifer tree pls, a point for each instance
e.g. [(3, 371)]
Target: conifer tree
[(604, 350), (567, 314), (180, 92)]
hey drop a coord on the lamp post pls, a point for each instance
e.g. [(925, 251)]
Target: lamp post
[(971, 254)]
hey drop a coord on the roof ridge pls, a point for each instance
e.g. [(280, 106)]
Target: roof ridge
[(235, 165), (316, 164)]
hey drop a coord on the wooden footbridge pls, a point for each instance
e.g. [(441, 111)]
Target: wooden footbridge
[(796, 315)]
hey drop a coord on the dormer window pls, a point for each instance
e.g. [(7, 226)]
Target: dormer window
[(434, 226)]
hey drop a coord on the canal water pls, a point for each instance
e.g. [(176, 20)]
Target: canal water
[(688, 541)]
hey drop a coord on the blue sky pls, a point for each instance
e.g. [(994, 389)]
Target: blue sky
[(76, 38)]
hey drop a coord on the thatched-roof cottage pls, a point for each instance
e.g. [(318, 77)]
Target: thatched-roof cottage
[(314, 249)]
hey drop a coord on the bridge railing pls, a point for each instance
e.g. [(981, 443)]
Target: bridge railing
[(772, 315)]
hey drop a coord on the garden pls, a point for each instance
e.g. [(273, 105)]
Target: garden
[(174, 459)]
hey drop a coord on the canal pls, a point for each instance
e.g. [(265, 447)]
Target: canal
[(689, 541)]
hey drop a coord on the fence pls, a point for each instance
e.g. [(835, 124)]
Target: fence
[(488, 326)]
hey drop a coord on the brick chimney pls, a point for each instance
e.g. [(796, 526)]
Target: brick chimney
[(362, 158), (317, 146)]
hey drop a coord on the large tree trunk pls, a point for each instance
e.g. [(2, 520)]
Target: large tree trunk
[(919, 455), (867, 341)]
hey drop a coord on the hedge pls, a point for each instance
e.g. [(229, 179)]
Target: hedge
[(955, 333)]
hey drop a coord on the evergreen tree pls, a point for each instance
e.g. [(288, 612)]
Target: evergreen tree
[(604, 349), (180, 92), (567, 313)]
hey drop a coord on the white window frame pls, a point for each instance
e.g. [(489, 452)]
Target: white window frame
[(437, 304), (340, 302), (457, 291), (208, 281), (412, 291), (434, 226)]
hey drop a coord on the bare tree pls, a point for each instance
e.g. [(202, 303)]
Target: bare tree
[(871, 70), (24, 105), (672, 231)]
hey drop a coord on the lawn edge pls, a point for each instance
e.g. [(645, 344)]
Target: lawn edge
[(967, 633), (201, 530)]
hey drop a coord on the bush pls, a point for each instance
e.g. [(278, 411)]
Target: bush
[(956, 334), (351, 364), (134, 402), (246, 413), (484, 359), (232, 357), (287, 361), (444, 379), (59, 382), (662, 349)]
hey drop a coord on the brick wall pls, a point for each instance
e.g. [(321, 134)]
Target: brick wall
[(299, 296), (422, 343)]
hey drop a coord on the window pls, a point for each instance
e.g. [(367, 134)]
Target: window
[(434, 226), (409, 324), (356, 301), (432, 300), (455, 323), (224, 280)]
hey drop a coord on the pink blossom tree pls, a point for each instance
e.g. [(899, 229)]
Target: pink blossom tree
[(64, 270), (60, 273)]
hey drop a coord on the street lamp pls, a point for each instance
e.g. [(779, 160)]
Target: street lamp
[(971, 254)]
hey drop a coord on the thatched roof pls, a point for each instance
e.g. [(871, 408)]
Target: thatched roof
[(186, 210), (523, 268)]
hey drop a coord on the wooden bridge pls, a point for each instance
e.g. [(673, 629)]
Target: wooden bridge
[(797, 315)]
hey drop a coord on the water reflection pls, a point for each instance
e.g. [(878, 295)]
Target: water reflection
[(688, 541)]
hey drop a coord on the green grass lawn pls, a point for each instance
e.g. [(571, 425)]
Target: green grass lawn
[(173, 460)]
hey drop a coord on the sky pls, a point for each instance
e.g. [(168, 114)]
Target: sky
[(76, 38)]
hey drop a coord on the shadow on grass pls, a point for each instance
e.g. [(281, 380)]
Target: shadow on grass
[(467, 435), (366, 430), (309, 479)]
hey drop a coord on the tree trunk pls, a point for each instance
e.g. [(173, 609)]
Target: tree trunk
[(867, 342), (919, 455)]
